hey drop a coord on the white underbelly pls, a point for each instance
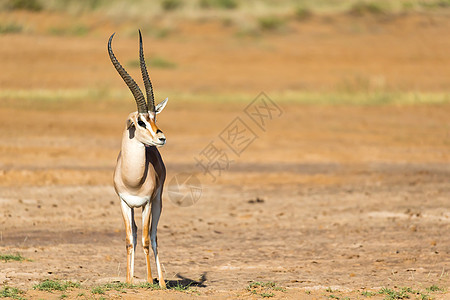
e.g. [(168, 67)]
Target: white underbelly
[(134, 201)]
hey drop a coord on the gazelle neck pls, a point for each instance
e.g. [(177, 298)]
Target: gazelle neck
[(134, 164)]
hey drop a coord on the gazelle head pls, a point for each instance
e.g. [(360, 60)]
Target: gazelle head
[(142, 123)]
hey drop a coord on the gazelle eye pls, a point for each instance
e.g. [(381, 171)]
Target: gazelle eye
[(142, 124)]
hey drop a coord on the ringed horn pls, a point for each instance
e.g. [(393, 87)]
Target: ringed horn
[(142, 106)]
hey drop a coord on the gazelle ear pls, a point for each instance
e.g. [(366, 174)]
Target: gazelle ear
[(161, 106)]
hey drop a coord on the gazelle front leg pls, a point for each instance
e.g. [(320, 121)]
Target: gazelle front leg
[(131, 238), (156, 212), (146, 239)]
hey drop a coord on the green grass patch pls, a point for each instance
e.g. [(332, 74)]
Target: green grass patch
[(56, 95), (392, 294), (271, 23), (133, 64), (161, 63), (362, 8), (10, 28), (29, 5), (55, 285), (386, 293), (162, 33), (149, 12), (302, 13), (267, 295), (41, 99), (220, 4), (169, 5), (119, 99), (361, 98), (404, 293), (154, 62), (435, 288), (180, 287), (368, 294), (332, 294), (75, 30), (146, 285), (121, 287), (11, 292), (264, 289), (98, 290), (436, 4), (118, 286), (12, 257)]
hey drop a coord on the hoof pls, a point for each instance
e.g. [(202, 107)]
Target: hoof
[(162, 284)]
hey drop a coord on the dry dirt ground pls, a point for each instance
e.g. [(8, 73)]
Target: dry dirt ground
[(347, 197)]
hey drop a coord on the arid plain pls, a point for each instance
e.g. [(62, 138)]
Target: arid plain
[(345, 189)]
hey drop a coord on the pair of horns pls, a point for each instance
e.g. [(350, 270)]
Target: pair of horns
[(142, 106)]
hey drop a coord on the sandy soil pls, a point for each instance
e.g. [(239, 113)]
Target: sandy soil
[(346, 204), (350, 198)]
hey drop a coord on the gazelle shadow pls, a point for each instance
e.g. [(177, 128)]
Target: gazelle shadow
[(185, 282)]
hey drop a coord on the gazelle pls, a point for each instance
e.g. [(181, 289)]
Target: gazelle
[(140, 172)]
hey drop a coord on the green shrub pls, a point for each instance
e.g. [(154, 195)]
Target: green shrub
[(270, 23), (303, 13), (8, 257), (55, 285), (367, 8), (435, 4), (98, 290), (10, 28), (264, 289), (222, 4), (434, 288), (30, 5), (11, 292), (169, 5)]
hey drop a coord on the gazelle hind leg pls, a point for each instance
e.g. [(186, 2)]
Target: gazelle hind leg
[(146, 239), (131, 238), (156, 212), (134, 244)]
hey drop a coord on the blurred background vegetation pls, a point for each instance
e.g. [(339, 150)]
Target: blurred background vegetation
[(258, 14), (202, 8), (262, 24)]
